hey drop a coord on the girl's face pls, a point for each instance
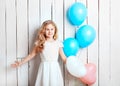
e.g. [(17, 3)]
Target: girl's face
[(49, 31)]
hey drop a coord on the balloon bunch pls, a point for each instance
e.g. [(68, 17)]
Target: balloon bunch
[(84, 36)]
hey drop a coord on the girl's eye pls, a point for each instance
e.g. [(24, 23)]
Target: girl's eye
[(47, 29)]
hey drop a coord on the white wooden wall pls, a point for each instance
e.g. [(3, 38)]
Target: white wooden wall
[(20, 20)]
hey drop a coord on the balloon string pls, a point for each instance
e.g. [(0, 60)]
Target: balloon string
[(76, 28), (79, 52)]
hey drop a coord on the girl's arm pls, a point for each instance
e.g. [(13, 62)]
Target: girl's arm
[(26, 59), (62, 55)]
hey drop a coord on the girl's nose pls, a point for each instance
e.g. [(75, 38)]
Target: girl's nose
[(50, 30)]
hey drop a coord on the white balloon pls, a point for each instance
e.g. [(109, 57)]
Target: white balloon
[(75, 67)]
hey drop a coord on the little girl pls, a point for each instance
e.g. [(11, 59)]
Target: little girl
[(49, 48)]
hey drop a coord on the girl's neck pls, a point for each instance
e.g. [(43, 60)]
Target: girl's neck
[(50, 39)]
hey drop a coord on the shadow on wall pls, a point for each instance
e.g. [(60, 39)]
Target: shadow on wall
[(34, 63)]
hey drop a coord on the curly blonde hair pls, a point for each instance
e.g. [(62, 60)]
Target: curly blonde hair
[(41, 37)]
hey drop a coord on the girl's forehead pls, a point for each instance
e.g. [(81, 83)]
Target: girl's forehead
[(49, 26)]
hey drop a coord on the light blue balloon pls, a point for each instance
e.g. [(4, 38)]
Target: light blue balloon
[(71, 46), (85, 35), (77, 13)]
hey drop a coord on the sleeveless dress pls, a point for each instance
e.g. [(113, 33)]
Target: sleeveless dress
[(49, 72)]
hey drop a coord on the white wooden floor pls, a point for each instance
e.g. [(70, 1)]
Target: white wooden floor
[(20, 19)]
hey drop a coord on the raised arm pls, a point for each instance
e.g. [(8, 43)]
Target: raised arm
[(26, 59)]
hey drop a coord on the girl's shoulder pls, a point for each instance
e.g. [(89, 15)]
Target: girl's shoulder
[(60, 43)]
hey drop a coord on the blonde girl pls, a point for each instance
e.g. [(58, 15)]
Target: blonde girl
[(49, 48)]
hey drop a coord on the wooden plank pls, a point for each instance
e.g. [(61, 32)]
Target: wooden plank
[(23, 74), (11, 41), (22, 40), (34, 22), (22, 28), (2, 44), (104, 42), (93, 21), (115, 43), (45, 8)]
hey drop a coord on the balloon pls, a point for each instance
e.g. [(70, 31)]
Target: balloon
[(90, 77), (71, 46), (85, 35), (75, 67), (77, 13)]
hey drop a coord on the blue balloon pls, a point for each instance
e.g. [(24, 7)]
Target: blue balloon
[(71, 47), (77, 13), (85, 35)]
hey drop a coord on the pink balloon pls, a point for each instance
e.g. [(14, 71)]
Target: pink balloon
[(90, 77)]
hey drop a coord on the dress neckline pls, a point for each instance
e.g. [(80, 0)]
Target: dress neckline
[(50, 41)]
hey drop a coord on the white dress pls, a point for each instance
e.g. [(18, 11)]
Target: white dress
[(49, 73)]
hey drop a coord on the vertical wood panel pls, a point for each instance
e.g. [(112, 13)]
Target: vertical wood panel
[(22, 40), (23, 75), (46, 10), (115, 43), (22, 28), (104, 42), (2, 44), (34, 22), (11, 41), (93, 21)]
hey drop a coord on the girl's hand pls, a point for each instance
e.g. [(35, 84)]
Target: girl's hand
[(16, 64)]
